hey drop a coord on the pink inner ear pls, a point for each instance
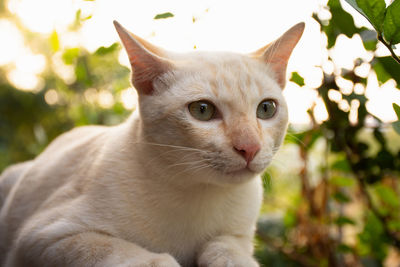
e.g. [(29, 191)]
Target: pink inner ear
[(277, 54), (145, 65)]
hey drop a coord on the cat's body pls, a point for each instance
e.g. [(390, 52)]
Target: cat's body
[(161, 182)]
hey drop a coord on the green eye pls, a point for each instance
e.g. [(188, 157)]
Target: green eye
[(266, 109), (202, 110)]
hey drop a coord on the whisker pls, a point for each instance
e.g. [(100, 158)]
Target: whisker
[(172, 146)]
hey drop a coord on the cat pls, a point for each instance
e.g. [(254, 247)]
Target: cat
[(174, 185)]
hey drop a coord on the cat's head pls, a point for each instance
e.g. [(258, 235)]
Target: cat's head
[(218, 116)]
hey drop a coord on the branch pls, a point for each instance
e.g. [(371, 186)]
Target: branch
[(395, 57)]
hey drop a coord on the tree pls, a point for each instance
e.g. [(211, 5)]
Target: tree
[(357, 175)]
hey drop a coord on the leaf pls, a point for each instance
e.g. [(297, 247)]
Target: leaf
[(354, 4), (369, 39), (387, 195), (341, 165), (81, 72), (374, 11), (342, 220), (372, 238), (54, 42), (343, 248), (391, 25), (296, 78), (396, 124), (164, 15), (342, 181), (341, 197), (341, 22), (394, 225), (267, 183), (290, 218), (386, 68), (397, 110), (101, 51), (70, 55)]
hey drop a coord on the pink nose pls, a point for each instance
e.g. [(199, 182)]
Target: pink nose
[(248, 151)]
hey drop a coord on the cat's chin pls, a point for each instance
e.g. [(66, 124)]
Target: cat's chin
[(237, 176)]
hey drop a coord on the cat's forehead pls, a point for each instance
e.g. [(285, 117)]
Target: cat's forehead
[(227, 76)]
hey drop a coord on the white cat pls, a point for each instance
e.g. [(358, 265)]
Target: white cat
[(174, 185)]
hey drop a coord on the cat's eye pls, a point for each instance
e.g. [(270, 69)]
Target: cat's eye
[(202, 110), (266, 109)]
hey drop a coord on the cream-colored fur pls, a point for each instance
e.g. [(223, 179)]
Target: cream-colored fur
[(162, 188)]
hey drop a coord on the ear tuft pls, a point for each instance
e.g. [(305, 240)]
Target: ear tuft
[(277, 53), (146, 66)]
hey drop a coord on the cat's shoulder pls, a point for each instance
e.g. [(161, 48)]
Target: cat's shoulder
[(79, 140)]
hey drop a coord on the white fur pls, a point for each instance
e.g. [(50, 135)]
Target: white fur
[(162, 188)]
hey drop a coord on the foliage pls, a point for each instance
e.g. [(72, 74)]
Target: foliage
[(386, 21), (358, 189), (164, 15)]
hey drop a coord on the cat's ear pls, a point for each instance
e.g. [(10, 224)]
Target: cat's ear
[(277, 53), (146, 60)]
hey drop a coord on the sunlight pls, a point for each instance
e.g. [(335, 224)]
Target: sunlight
[(12, 42), (205, 25)]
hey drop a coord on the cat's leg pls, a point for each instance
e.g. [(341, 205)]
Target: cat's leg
[(227, 251), (90, 248)]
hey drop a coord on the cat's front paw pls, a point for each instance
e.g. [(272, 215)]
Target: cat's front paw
[(156, 260), (226, 260)]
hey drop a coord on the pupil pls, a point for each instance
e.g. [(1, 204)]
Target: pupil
[(203, 108), (265, 106)]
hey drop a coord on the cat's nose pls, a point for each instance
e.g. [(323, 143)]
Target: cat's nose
[(248, 151)]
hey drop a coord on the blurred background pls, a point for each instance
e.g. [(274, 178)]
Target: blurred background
[(332, 195)]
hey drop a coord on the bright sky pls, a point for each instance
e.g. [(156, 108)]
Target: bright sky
[(240, 26)]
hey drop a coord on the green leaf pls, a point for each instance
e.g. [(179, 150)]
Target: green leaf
[(387, 195), (341, 197), (296, 78), (164, 15), (341, 165), (290, 218), (372, 10), (341, 22), (54, 42), (397, 110), (369, 39), (386, 68), (343, 248), (70, 55), (342, 181), (372, 239), (391, 25), (394, 225), (375, 11), (396, 126), (82, 73), (101, 51), (267, 183), (342, 220)]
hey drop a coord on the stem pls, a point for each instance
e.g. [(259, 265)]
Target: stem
[(395, 57)]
